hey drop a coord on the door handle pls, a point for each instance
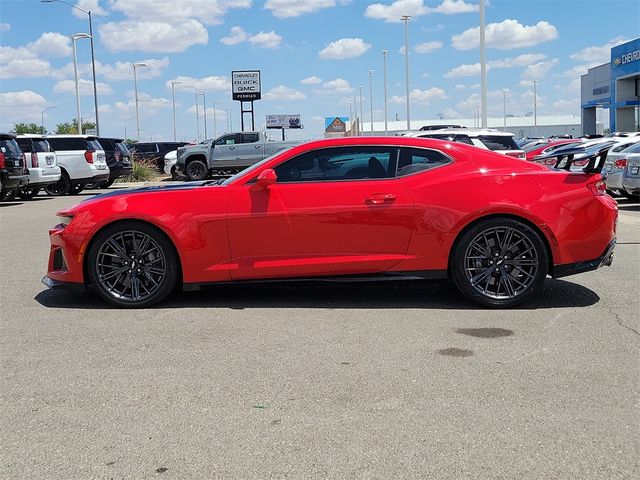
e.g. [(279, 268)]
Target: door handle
[(380, 198), (232, 148), (258, 146)]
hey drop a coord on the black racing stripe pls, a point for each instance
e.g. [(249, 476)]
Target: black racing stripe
[(150, 189)]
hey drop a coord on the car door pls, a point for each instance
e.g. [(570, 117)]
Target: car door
[(224, 150), (249, 149), (333, 211)]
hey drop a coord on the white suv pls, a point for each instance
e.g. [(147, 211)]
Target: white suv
[(81, 159), (489, 139), (41, 162)]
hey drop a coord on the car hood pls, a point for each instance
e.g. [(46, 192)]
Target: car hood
[(149, 189)]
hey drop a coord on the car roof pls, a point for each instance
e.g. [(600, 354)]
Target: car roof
[(38, 136), (7, 135), (471, 132), (116, 140), (64, 135)]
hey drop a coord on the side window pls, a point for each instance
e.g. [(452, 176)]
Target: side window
[(413, 160), (250, 137), (226, 140), (336, 164), (463, 139), (67, 143)]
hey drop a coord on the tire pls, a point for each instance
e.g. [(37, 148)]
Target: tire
[(76, 189), (107, 183), (8, 195), (485, 269), (630, 196), (93, 186), (60, 188), (29, 193), (154, 256), (174, 173), (196, 170)]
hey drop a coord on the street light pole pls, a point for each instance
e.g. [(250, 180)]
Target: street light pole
[(504, 107), (75, 37), (173, 97), (405, 19), (358, 115), (361, 113), (215, 131), (93, 57), (535, 108), (371, 98), (204, 108), (483, 66), (197, 118), (135, 85), (42, 119), (384, 61)]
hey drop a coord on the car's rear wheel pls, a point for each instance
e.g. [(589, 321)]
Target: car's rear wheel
[(29, 193), (8, 195), (76, 189), (196, 170), (499, 263), (132, 264), (61, 187), (107, 183)]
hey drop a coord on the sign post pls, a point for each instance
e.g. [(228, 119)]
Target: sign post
[(246, 88)]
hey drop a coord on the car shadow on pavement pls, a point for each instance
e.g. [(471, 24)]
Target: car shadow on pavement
[(312, 294)]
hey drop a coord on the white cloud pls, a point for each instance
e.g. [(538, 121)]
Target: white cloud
[(147, 105), (26, 68), (153, 36), (208, 84), (471, 70), (448, 113), (118, 71), (453, 7), (5, 27), (284, 93), (295, 8), (428, 47), (424, 97), (392, 12), (51, 44), (344, 48), (538, 70), (85, 86), (313, 80), (416, 8), (26, 61), (269, 40), (339, 85), (210, 12), (236, 35), (506, 35), (599, 54), (24, 106), (92, 6)]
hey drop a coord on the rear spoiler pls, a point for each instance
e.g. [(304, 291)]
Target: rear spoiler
[(595, 158)]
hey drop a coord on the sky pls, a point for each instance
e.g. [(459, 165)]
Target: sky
[(314, 55)]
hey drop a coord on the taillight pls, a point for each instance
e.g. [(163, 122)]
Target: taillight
[(88, 156), (34, 160), (117, 156), (597, 188), (2, 164), (520, 155), (550, 161), (622, 163)]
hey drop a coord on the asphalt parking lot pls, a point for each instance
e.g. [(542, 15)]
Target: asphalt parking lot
[(380, 380)]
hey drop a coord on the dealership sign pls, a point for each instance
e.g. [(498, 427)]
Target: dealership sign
[(627, 58), (335, 124), (245, 85), (283, 121)]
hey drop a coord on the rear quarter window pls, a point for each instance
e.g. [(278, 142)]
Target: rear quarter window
[(498, 142), (414, 160)]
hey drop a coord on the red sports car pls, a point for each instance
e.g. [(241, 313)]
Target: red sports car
[(388, 206)]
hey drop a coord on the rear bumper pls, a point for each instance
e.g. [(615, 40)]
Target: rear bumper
[(39, 177), (604, 260), (119, 172), (10, 182)]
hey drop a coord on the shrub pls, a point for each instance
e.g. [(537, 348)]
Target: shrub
[(143, 171)]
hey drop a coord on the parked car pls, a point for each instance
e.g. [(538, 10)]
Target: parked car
[(427, 128), (616, 164), (154, 151), (41, 162), (118, 159), (170, 160), (13, 173), (631, 177), (534, 149), (498, 141), (227, 154), (81, 161), (354, 206), (574, 156)]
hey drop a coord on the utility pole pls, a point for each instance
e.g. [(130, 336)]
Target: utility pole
[(483, 66), (135, 84), (405, 19), (384, 60), (535, 108), (370, 98), (359, 124), (173, 96), (504, 107)]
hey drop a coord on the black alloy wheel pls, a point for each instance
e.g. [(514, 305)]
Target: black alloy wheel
[(76, 189), (7, 195), (29, 193), (60, 188), (629, 196), (132, 265), (196, 170), (499, 263), (92, 185), (107, 183)]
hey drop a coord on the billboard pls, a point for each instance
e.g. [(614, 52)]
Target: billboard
[(284, 121), (335, 124), (245, 85)]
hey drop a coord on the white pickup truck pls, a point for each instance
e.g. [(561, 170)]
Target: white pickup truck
[(226, 155)]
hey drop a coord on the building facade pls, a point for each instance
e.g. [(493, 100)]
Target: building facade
[(616, 87)]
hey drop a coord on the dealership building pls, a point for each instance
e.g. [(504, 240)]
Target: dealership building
[(614, 86)]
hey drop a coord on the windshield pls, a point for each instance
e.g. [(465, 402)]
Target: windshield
[(255, 166)]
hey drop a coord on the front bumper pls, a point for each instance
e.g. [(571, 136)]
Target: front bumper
[(66, 286), (604, 260)]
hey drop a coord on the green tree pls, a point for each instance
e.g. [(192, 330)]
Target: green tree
[(71, 127), (19, 128)]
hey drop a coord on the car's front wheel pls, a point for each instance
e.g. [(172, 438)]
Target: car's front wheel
[(499, 262), (132, 264), (196, 170)]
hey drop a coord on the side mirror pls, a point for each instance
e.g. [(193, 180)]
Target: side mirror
[(266, 178)]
